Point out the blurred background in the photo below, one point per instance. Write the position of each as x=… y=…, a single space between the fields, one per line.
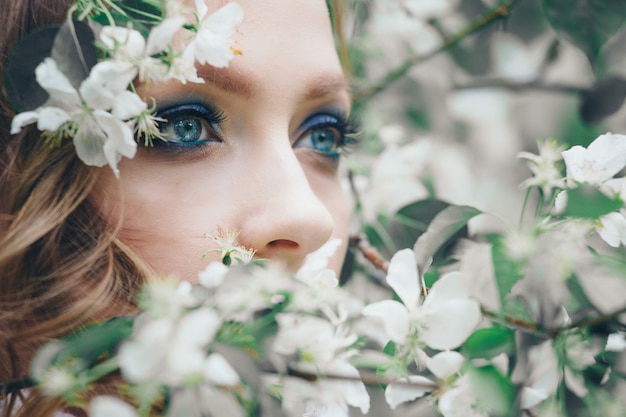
x=449 y=91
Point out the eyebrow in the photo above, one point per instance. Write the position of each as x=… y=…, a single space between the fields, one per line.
x=233 y=82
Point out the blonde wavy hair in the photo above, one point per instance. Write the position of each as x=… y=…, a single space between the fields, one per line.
x=61 y=265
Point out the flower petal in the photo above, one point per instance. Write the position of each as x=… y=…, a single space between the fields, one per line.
x=213 y=275
x=106 y=80
x=130 y=40
x=127 y=105
x=613 y=230
x=394 y=316
x=119 y=139
x=403 y=277
x=23 y=119
x=51 y=79
x=450 y=323
x=532 y=397
x=602 y=159
x=224 y=20
x=398 y=393
x=89 y=143
x=211 y=49
x=445 y=364
x=450 y=285
x=161 y=35
x=219 y=371
x=51 y=118
x=575 y=382
x=354 y=392
x=107 y=406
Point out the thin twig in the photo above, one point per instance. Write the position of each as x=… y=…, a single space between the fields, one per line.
x=534 y=85
x=500 y=11
x=366 y=378
x=369 y=252
x=586 y=322
x=513 y=322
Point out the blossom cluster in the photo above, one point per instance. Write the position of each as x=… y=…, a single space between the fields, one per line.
x=503 y=325
x=102 y=113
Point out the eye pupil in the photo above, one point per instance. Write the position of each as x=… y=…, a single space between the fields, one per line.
x=187 y=130
x=323 y=140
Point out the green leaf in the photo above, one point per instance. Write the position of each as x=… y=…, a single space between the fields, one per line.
x=506 y=271
x=588 y=202
x=603 y=99
x=445 y=224
x=390 y=349
x=588 y=24
x=21 y=85
x=494 y=391
x=93 y=341
x=74 y=51
x=411 y=221
x=489 y=342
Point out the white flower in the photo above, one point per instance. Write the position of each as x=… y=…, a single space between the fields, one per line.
x=128 y=45
x=229 y=249
x=326 y=397
x=546 y=371
x=597 y=163
x=443 y=321
x=211 y=43
x=322 y=348
x=99 y=136
x=107 y=406
x=171 y=351
x=167 y=297
x=443 y=366
x=314 y=339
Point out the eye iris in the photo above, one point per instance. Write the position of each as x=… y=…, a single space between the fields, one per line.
x=323 y=140
x=187 y=130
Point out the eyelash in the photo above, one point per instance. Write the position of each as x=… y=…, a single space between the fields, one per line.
x=345 y=127
x=211 y=120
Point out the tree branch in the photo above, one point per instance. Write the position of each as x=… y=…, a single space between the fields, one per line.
x=370 y=253
x=500 y=11
x=366 y=378
x=523 y=86
x=586 y=322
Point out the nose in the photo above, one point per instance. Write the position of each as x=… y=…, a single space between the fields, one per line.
x=283 y=219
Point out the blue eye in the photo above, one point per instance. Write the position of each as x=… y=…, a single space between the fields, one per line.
x=326 y=133
x=189 y=125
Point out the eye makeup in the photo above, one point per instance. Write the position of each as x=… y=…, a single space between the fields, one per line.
x=329 y=133
x=188 y=127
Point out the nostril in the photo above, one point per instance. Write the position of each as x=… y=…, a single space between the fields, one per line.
x=283 y=244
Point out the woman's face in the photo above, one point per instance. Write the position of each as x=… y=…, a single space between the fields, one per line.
x=254 y=150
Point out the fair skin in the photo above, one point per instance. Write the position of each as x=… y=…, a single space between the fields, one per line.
x=267 y=167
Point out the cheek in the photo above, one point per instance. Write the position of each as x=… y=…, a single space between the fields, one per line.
x=166 y=223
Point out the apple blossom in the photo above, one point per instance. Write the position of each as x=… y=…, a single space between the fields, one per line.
x=100 y=138
x=443 y=320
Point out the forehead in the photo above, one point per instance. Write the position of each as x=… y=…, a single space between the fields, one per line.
x=288 y=41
